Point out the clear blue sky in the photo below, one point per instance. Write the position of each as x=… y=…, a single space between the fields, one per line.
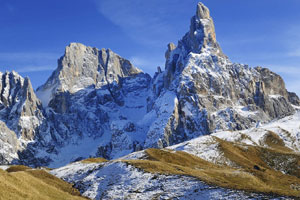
x=34 y=33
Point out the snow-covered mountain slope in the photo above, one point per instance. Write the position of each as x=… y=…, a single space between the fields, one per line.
x=9 y=143
x=261 y=159
x=94 y=103
x=279 y=136
x=118 y=180
x=20 y=109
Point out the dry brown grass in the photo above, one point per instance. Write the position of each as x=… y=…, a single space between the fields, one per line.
x=94 y=160
x=17 y=168
x=252 y=156
x=246 y=156
x=54 y=181
x=262 y=179
x=274 y=141
x=35 y=185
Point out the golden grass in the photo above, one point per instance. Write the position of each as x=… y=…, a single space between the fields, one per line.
x=17 y=168
x=247 y=177
x=35 y=185
x=275 y=142
x=246 y=156
x=54 y=181
x=251 y=156
x=94 y=160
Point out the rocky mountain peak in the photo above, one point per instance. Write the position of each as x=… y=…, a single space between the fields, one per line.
x=200 y=39
x=16 y=89
x=201 y=36
x=202 y=11
x=212 y=92
x=19 y=106
x=82 y=67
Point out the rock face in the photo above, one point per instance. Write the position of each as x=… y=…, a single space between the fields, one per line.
x=9 y=144
x=20 y=115
x=94 y=100
x=97 y=103
x=202 y=33
x=83 y=67
x=20 y=108
x=294 y=99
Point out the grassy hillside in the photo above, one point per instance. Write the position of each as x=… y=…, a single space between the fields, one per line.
x=255 y=167
x=20 y=182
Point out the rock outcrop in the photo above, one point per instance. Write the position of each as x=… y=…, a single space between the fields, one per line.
x=294 y=99
x=202 y=34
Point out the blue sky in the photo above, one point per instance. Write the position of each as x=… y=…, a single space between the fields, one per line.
x=34 y=33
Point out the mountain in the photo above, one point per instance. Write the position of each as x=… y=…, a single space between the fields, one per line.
x=97 y=103
x=93 y=100
x=211 y=92
x=82 y=67
x=202 y=125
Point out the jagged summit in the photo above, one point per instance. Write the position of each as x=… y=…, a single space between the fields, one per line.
x=201 y=36
x=83 y=66
x=202 y=11
x=20 y=115
x=200 y=39
x=18 y=101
